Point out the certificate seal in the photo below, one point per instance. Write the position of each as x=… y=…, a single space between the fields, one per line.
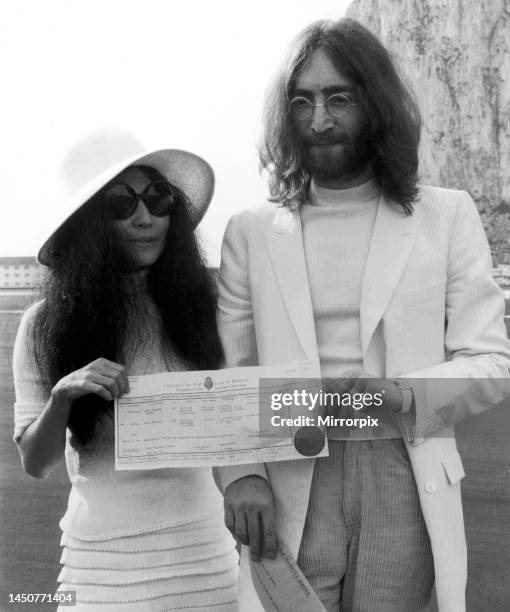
x=309 y=441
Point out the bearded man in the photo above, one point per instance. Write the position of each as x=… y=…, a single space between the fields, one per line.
x=357 y=265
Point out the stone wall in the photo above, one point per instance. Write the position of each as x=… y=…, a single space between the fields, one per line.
x=456 y=54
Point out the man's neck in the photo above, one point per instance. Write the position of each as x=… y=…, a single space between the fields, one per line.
x=345 y=182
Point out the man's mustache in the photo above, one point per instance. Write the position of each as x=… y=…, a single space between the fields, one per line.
x=326 y=140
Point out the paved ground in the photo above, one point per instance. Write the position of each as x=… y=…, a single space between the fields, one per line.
x=30 y=509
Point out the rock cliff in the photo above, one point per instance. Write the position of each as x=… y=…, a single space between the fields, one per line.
x=456 y=55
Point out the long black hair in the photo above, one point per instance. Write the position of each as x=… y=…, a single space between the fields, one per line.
x=388 y=105
x=88 y=303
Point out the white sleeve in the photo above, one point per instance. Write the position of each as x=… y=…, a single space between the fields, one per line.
x=236 y=326
x=235 y=313
x=476 y=375
x=30 y=395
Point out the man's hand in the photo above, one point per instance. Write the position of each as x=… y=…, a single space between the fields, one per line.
x=249 y=515
x=368 y=383
x=362 y=382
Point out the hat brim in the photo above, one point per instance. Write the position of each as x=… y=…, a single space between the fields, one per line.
x=187 y=171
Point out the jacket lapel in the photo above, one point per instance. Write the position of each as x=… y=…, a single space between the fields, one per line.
x=392 y=240
x=285 y=244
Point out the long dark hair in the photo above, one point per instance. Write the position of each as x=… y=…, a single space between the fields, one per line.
x=87 y=302
x=388 y=105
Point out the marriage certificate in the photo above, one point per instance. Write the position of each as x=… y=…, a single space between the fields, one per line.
x=201 y=418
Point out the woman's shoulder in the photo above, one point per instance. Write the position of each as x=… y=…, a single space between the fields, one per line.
x=27 y=319
x=31 y=312
x=33 y=309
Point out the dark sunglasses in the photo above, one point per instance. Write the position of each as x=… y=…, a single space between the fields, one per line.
x=121 y=199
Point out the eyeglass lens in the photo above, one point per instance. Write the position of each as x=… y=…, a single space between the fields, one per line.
x=121 y=199
x=337 y=105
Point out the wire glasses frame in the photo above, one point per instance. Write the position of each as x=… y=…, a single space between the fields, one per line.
x=337 y=105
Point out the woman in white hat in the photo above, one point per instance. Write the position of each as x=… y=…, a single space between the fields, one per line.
x=127 y=293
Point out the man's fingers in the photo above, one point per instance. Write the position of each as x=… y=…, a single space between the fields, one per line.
x=349 y=384
x=269 y=537
x=249 y=509
x=337 y=388
x=241 y=530
x=254 y=535
x=230 y=521
x=333 y=408
x=267 y=529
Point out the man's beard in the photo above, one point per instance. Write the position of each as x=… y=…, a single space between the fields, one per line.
x=346 y=161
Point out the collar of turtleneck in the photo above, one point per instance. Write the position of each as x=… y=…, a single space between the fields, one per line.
x=320 y=196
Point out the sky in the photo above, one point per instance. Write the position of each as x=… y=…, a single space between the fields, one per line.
x=187 y=74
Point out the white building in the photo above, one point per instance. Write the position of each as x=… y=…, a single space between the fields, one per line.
x=26 y=273
x=20 y=273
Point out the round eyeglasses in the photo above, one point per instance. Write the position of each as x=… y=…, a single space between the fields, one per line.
x=337 y=105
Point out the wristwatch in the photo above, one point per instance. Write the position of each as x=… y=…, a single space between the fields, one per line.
x=407 y=394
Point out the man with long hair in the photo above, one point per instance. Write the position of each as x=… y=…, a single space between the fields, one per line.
x=355 y=264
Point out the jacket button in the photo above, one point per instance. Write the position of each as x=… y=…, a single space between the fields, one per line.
x=431 y=487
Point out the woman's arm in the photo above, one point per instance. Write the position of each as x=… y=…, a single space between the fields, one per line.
x=40 y=432
x=43 y=442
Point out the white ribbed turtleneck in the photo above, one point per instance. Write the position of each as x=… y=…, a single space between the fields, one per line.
x=337 y=227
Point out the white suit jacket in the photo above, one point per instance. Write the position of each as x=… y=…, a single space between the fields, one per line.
x=429 y=309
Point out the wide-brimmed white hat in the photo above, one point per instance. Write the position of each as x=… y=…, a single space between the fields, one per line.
x=104 y=153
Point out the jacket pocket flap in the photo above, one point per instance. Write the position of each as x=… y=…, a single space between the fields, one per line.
x=453 y=468
x=421 y=295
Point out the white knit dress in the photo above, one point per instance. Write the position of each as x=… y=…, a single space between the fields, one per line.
x=140 y=540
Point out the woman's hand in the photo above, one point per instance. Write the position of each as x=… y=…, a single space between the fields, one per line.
x=102 y=377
